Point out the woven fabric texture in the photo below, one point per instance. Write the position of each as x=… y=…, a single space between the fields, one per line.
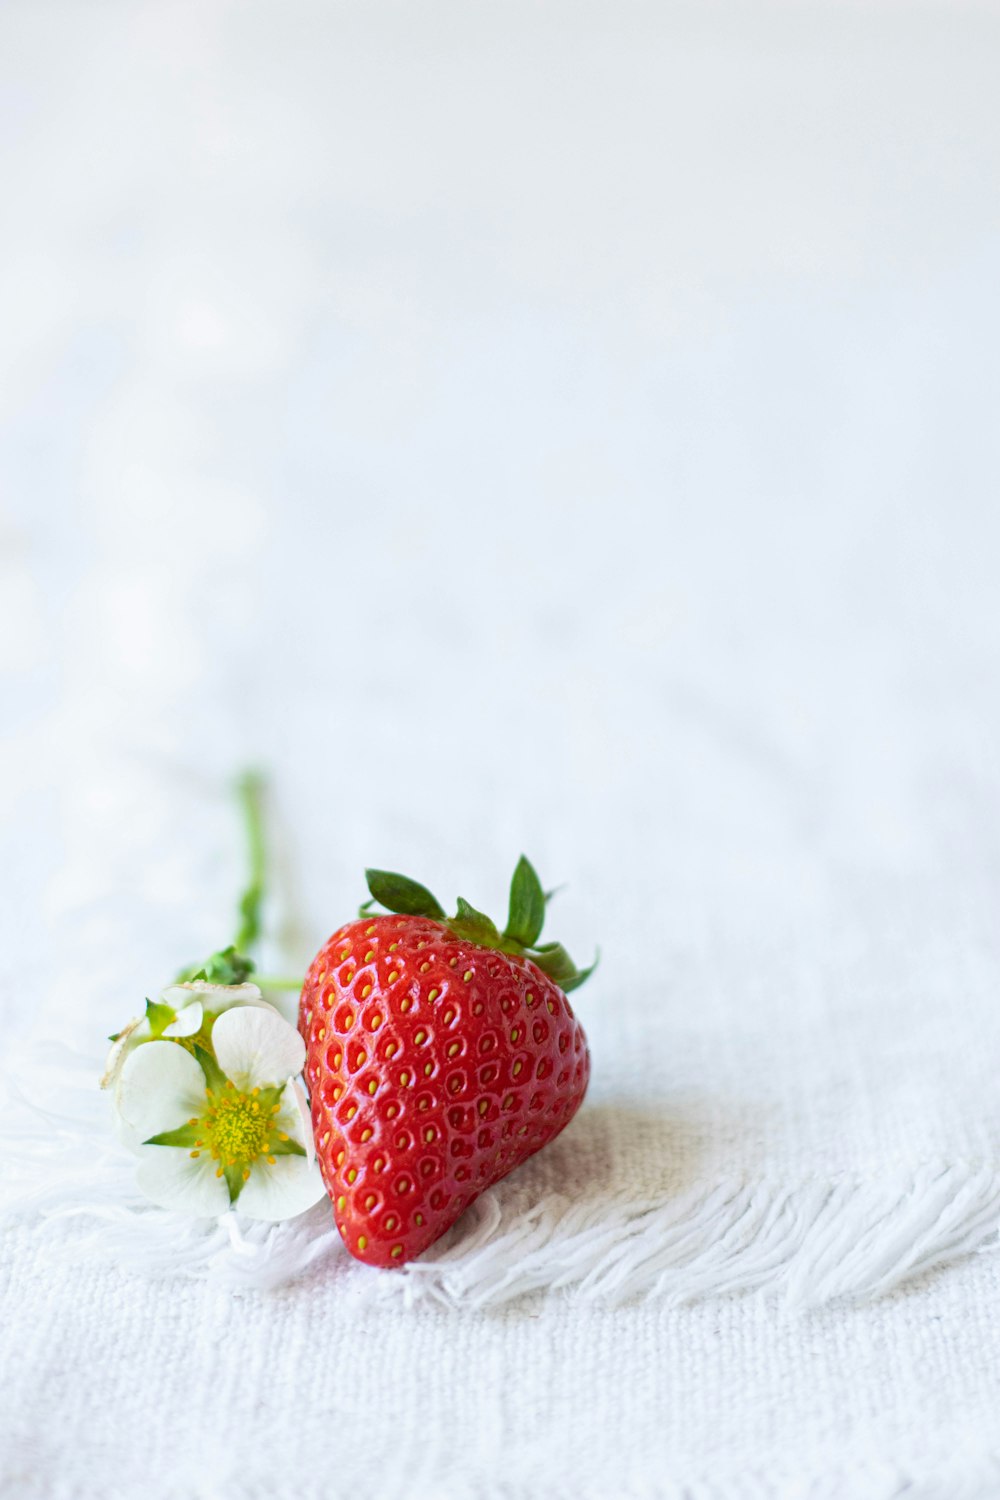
x=559 y=428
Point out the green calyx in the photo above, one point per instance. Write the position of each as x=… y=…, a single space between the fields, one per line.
x=525 y=919
x=227 y=966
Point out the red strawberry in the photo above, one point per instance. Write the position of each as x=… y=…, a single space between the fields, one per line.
x=441 y=1053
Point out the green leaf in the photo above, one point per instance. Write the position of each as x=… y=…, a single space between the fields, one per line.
x=159 y=1017
x=234 y=1179
x=400 y=894
x=527 y=905
x=184 y=1135
x=227 y=966
x=214 y=1076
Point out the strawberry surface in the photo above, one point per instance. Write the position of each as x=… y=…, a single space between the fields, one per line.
x=435 y=1065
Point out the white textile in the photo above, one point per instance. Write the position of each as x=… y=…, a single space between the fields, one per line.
x=560 y=428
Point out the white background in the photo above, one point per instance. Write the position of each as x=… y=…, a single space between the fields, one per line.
x=559 y=427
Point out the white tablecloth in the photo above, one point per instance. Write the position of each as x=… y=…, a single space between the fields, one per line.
x=516 y=427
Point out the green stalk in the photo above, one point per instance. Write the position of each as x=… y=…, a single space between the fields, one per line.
x=250 y=792
x=233 y=965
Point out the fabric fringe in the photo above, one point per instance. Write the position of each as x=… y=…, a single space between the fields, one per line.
x=808 y=1243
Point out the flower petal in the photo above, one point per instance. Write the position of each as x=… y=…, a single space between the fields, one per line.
x=189 y=1020
x=160 y=1087
x=214 y=997
x=175 y=1179
x=126 y=1039
x=294 y=1118
x=256 y=1047
x=281 y=1191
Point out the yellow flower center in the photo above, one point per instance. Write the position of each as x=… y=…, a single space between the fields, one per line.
x=237 y=1128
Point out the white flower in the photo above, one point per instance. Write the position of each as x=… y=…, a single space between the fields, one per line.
x=181 y=1011
x=223 y=1131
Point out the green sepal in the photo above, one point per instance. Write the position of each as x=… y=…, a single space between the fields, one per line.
x=114 y=1037
x=234 y=1179
x=159 y=1017
x=214 y=1076
x=474 y=925
x=554 y=961
x=269 y=1097
x=574 y=981
x=184 y=1135
x=286 y=1148
x=400 y=894
x=527 y=905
